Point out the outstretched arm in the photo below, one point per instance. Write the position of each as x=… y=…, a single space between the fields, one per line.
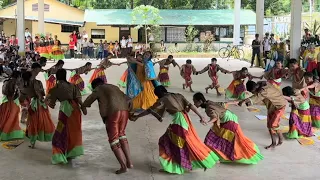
x=147 y=112
x=195 y=110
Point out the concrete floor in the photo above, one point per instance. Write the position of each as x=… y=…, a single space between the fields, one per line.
x=289 y=161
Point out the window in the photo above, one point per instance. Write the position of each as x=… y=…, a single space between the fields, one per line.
x=69 y=28
x=98 y=34
x=176 y=34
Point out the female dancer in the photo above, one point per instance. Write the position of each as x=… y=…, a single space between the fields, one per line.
x=237 y=88
x=49 y=75
x=141 y=81
x=274 y=75
x=186 y=71
x=39 y=124
x=300 y=122
x=76 y=79
x=10 y=108
x=99 y=70
x=311 y=61
x=314 y=101
x=180 y=148
x=226 y=138
x=67 y=139
x=57 y=53
x=164 y=70
x=43 y=48
x=213 y=69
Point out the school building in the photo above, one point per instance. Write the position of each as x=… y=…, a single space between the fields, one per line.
x=111 y=24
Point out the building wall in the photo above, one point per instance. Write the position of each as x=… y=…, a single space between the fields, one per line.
x=57 y=11
x=9 y=26
x=111 y=33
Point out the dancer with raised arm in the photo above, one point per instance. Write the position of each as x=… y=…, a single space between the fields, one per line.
x=213 y=69
x=164 y=70
x=114 y=107
x=67 y=139
x=39 y=123
x=226 y=138
x=180 y=148
x=275 y=103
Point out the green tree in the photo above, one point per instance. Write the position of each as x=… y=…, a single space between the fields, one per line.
x=146 y=16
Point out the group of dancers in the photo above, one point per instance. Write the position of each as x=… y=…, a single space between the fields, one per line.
x=180 y=148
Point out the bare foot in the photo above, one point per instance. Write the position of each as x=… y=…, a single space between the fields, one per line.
x=191 y=90
x=271 y=146
x=183 y=86
x=129 y=166
x=207 y=90
x=219 y=94
x=32 y=146
x=120 y=171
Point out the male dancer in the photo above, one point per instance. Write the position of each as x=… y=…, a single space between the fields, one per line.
x=114 y=110
x=275 y=103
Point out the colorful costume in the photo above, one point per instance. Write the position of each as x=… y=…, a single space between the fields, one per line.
x=226 y=138
x=39 y=124
x=314 y=102
x=300 y=123
x=180 y=148
x=50 y=78
x=212 y=72
x=163 y=76
x=298 y=81
x=274 y=76
x=43 y=49
x=99 y=72
x=67 y=139
x=76 y=79
x=114 y=111
x=57 y=53
x=274 y=102
x=9 y=110
x=123 y=80
x=237 y=89
x=186 y=72
x=140 y=85
x=311 y=59
x=50 y=45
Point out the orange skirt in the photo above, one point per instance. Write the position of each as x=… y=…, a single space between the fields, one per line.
x=9 y=121
x=40 y=126
x=273 y=119
x=50 y=83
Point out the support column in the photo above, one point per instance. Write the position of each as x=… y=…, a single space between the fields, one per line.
x=236 y=26
x=41 y=16
x=260 y=18
x=20 y=26
x=295 y=29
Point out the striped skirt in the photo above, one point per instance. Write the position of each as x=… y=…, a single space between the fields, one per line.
x=300 y=123
x=236 y=90
x=164 y=76
x=180 y=148
x=314 y=102
x=230 y=144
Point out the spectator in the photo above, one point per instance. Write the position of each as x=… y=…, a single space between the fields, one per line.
x=256 y=50
x=74 y=37
x=85 y=45
x=123 y=43
x=72 y=46
x=13 y=41
x=273 y=41
x=84 y=35
x=130 y=43
x=266 y=46
x=91 y=48
x=162 y=46
x=105 y=49
x=101 y=50
x=27 y=33
x=111 y=48
x=116 y=49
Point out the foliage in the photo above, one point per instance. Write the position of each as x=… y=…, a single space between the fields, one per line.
x=190 y=33
x=314 y=27
x=208 y=42
x=147 y=17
